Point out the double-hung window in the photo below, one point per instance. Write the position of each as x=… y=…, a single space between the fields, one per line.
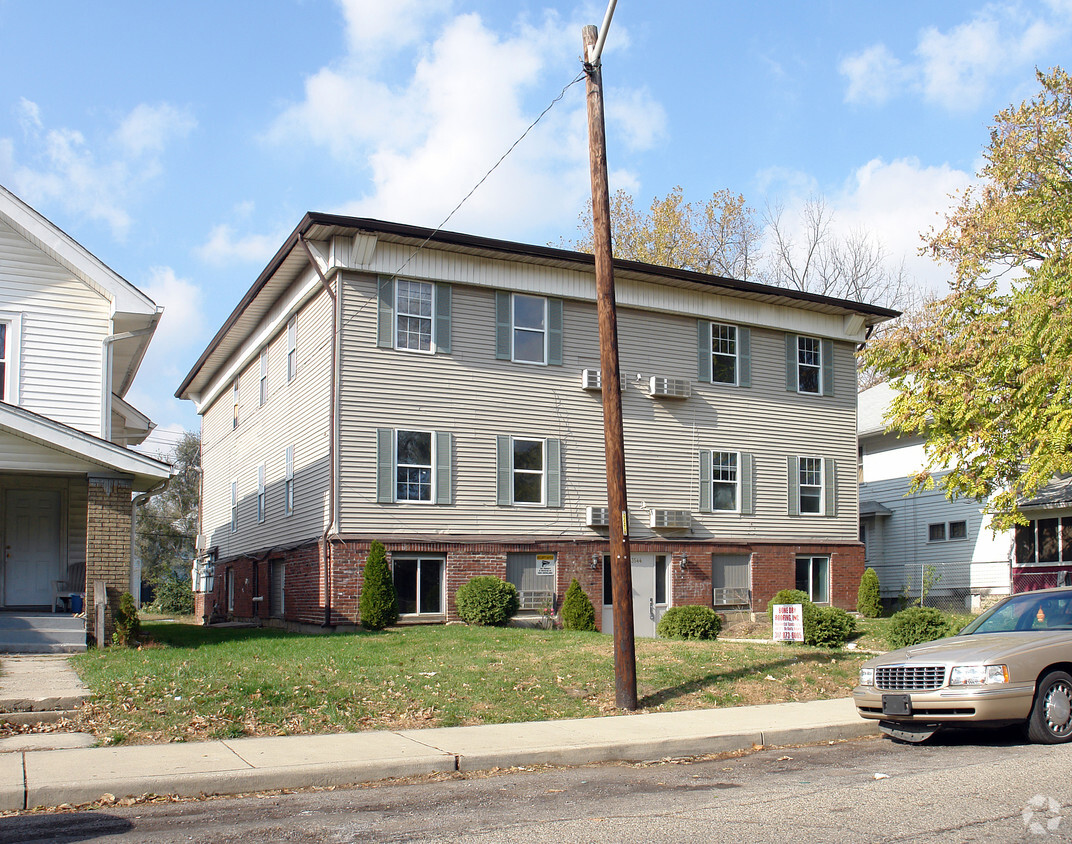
x=414 y=315
x=809 y=365
x=4 y=360
x=724 y=353
x=288 y=487
x=812 y=486
x=529 y=471
x=292 y=348
x=727 y=482
x=10 y=341
x=264 y=377
x=413 y=466
x=234 y=506
x=528 y=329
x=261 y=494
x=234 y=401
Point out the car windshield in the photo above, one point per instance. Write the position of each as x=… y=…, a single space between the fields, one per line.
x=1027 y=611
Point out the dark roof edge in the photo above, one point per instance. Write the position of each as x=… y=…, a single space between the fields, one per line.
x=510 y=247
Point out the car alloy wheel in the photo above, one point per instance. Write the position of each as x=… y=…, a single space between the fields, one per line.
x=1051 y=716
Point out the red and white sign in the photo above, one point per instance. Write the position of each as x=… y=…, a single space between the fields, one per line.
x=788 y=623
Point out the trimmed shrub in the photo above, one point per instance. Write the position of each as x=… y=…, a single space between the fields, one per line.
x=127 y=624
x=788 y=596
x=379 y=601
x=487 y=601
x=174 y=595
x=577 y=610
x=868 y=600
x=689 y=622
x=916 y=625
x=830 y=627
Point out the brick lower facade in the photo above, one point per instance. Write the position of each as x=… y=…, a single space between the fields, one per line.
x=323 y=589
x=108 y=532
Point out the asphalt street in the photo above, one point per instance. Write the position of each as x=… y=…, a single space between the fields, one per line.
x=964 y=787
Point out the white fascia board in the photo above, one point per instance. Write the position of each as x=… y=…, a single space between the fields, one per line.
x=65 y=250
x=300 y=294
x=54 y=435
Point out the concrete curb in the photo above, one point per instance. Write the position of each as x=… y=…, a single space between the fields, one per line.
x=53 y=777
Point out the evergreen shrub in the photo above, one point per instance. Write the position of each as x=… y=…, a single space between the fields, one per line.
x=577 y=610
x=916 y=625
x=379 y=601
x=486 y=600
x=127 y=624
x=689 y=622
x=868 y=600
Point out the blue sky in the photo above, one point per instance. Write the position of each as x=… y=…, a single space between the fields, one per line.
x=181 y=142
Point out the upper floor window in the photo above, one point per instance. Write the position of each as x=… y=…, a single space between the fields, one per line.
x=413 y=466
x=10 y=342
x=3 y=362
x=724 y=353
x=528 y=471
x=809 y=365
x=528 y=329
x=264 y=377
x=234 y=400
x=941 y=531
x=292 y=347
x=261 y=494
x=234 y=506
x=812 y=486
x=727 y=482
x=414 y=315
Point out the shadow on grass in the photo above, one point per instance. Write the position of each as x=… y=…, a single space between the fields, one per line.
x=700 y=683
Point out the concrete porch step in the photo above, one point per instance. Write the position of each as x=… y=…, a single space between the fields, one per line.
x=43 y=633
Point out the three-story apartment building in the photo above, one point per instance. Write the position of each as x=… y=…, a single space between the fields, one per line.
x=441 y=393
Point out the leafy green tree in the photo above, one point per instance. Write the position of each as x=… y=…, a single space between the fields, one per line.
x=166 y=526
x=984 y=373
x=379 y=600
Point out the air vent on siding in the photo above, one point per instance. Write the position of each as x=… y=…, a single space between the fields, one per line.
x=597 y=516
x=669 y=388
x=671 y=519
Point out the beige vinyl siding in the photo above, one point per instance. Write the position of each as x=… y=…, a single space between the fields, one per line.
x=475 y=397
x=296 y=414
x=64 y=323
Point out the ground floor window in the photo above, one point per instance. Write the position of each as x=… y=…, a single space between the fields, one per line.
x=1044 y=541
x=813 y=577
x=419 y=584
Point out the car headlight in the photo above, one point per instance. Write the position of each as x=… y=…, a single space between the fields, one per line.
x=978 y=675
x=867 y=676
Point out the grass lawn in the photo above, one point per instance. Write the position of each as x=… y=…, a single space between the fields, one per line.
x=191 y=683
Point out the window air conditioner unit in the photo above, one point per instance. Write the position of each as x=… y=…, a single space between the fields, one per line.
x=201 y=543
x=669 y=388
x=671 y=519
x=597 y=516
x=591 y=379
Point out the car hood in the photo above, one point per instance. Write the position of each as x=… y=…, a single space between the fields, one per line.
x=975 y=648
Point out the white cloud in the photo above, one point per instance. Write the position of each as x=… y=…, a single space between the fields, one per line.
x=955 y=68
x=428 y=124
x=224 y=247
x=61 y=167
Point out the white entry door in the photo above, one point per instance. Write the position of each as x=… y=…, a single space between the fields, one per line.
x=651 y=581
x=32 y=546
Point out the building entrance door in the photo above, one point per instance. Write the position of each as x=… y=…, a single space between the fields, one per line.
x=31 y=546
x=650 y=573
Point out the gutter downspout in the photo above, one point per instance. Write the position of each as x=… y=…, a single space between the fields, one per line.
x=324 y=540
x=106 y=379
x=140 y=501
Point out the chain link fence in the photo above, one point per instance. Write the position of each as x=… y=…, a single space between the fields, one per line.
x=957 y=587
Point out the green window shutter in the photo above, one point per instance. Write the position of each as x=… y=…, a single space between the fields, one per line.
x=554 y=473
x=794 y=486
x=748 y=484
x=830 y=486
x=827 y=347
x=554 y=332
x=442 y=318
x=705 y=481
x=385 y=466
x=791 y=362
x=385 y=329
x=503 y=325
x=504 y=487
x=444 y=459
x=703 y=350
x=744 y=357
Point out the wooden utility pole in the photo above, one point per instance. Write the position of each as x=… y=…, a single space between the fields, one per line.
x=625 y=690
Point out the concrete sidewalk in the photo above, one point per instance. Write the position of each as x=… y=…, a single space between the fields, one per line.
x=52 y=777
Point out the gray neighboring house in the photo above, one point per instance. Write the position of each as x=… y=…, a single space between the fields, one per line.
x=440 y=392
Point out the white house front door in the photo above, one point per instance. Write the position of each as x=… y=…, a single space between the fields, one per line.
x=651 y=580
x=31 y=546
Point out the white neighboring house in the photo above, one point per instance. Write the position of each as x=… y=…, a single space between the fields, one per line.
x=72 y=336
x=905 y=533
